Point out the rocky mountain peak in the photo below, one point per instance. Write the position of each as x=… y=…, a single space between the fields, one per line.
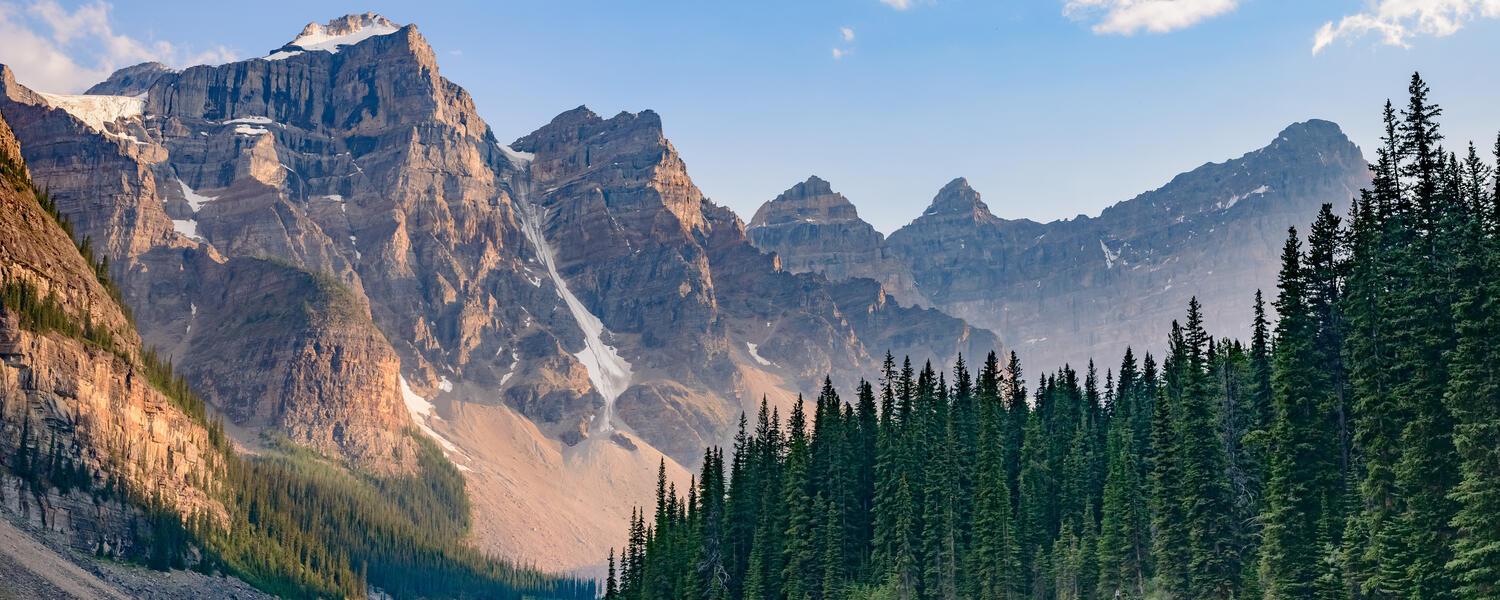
x=1313 y=130
x=812 y=201
x=813 y=186
x=1315 y=139
x=347 y=26
x=338 y=33
x=130 y=81
x=581 y=151
x=957 y=198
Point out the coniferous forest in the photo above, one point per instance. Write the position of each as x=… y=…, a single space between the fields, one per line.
x=1349 y=450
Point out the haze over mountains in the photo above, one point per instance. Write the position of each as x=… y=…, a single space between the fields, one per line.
x=333 y=246
x=1067 y=291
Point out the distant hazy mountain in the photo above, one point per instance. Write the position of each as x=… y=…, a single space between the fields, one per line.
x=1070 y=290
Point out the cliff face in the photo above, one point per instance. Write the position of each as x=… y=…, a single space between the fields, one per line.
x=688 y=299
x=334 y=246
x=1068 y=291
x=81 y=407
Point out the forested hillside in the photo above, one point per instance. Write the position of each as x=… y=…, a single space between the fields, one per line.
x=1349 y=449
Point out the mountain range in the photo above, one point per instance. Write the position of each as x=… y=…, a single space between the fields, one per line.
x=334 y=248
x=1071 y=290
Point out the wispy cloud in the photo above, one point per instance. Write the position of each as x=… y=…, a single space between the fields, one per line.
x=57 y=50
x=897 y=4
x=839 y=53
x=1397 y=21
x=847 y=34
x=1125 y=17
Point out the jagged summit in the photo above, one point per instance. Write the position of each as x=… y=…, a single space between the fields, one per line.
x=957 y=197
x=342 y=31
x=1313 y=130
x=811 y=201
x=130 y=81
x=813 y=186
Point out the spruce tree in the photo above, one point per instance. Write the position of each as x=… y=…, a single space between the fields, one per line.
x=1290 y=553
x=1214 y=567
x=993 y=563
x=1426 y=470
x=1170 y=549
x=1378 y=230
x=1473 y=397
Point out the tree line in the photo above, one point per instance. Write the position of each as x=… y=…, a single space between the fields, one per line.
x=1349 y=450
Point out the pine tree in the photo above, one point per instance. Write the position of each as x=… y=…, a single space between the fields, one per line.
x=1473 y=397
x=1290 y=553
x=1170 y=549
x=1123 y=538
x=1378 y=230
x=800 y=574
x=1031 y=517
x=1426 y=470
x=1214 y=567
x=940 y=512
x=885 y=513
x=993 y=563
x=611 y=588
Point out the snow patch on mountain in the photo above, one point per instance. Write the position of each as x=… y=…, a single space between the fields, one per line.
x=516 y=157
x=194 y=199
x=1225 y=205
x=95 y=111
x=608 y=371
x=1109 y=257
x=755 y=354
x=343 y=31
x=186 y=227
x=422 y=413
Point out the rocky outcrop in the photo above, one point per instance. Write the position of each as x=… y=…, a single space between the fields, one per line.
x=130 y=81
x=814 y=229
x=308 y=361
x=85 y=410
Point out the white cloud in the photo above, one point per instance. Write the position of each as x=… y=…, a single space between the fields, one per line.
x=1397 y=21
x=847 y=33
x=1126 y=17
x=55 y=50
x=838 y=54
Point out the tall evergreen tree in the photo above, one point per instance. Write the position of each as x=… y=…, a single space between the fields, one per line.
x=1170 y=549
x=994 y=564
x=1426 y=470
x=1214 y=561
x=1299 y=454
x=1474 y=400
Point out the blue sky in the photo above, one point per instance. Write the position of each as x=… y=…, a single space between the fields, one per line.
x=1051 y=108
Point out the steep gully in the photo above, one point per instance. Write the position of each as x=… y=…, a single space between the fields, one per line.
x=608 y=371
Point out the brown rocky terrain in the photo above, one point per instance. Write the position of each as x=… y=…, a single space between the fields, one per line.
x=87 y=404
x=327 y=234
x=1083 y=288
